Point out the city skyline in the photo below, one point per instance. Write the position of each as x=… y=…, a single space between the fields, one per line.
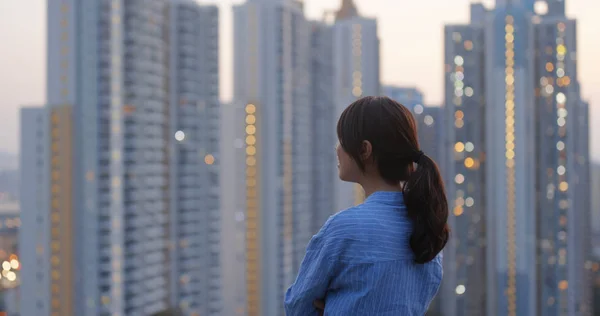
x=143 y=191
x=400 y=66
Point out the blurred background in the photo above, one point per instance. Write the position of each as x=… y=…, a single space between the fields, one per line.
x=174 y=157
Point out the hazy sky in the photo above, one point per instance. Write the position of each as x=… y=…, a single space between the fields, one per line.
x=411 y=52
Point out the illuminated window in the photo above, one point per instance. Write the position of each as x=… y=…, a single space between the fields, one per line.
x=209 y=159
x=563 y=285
x=469 y=162
x=469 y=147
x=459 y=61
x=469 y=91
x=428 y=120
x=459 y=114
x=179 y=136
x=418 y=109
x=459 y=147
x=563 y=186
x=468 y=45
x=459 y=178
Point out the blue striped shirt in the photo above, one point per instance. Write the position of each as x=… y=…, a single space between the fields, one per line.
x=361 y=263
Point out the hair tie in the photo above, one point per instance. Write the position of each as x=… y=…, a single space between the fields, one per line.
x=417 y=157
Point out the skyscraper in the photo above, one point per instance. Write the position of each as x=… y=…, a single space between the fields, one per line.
x=510 y=180
x=562 y=161
x=324 y=169
x=513 y=72
x=194 y=112
x=464 y=285
x=34 y=244
x=116 y=149
x=272 y=65
x=356 y=74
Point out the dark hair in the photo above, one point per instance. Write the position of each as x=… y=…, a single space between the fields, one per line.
x=392 y=132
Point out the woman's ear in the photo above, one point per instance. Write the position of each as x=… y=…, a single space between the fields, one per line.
x=366 y=150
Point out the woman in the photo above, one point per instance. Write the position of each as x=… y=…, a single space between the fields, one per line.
x=382 y=257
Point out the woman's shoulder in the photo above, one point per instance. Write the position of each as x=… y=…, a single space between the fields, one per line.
x=359 y=220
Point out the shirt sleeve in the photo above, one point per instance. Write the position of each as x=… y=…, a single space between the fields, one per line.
x=316 y=271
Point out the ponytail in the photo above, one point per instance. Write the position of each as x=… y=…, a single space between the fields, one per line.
x=425 y=200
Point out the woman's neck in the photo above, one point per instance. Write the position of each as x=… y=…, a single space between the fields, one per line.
x=371 y=186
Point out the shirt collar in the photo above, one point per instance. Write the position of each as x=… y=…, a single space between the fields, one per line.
x=386 y=197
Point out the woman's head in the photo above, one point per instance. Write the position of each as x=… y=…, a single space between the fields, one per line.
x=378 y=138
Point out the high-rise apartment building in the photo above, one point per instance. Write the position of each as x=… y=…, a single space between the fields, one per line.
x=272 y=66
x=520 y=143
x=194 y=114
x=509 y=157
x=356 y=74
x=130 y=160
x=464 y=287
x=34 y=244
x=233 y=226
x=562 y=155
x=324 y=119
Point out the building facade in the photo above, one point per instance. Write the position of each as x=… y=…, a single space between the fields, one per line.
x=324 y=116
x=563 y=168
x=33 y=247
x=463 y=290
x=115 y=155
x=194 y=114
x=272 y=66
